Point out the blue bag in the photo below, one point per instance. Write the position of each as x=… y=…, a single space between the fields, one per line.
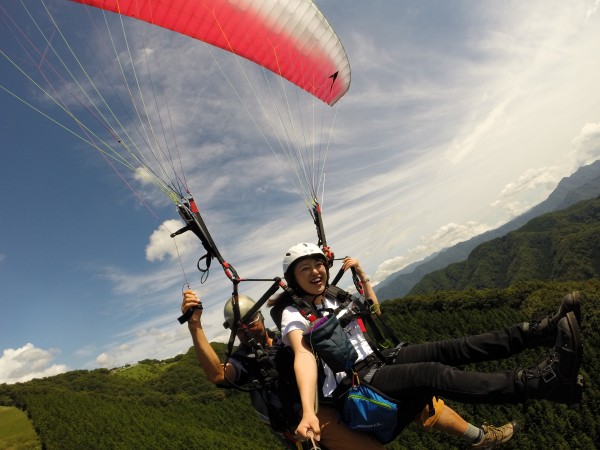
x=365 y=409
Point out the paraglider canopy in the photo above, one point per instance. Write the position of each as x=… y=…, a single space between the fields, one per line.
x=292 y=38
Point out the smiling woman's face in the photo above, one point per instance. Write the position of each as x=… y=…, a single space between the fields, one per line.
x=311 y=275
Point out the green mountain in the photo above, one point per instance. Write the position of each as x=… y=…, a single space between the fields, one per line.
x=563 y=245
x=170 y=405
x=584 y=184
x=151 y=405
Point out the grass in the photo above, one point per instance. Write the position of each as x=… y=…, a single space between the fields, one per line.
x=16 y=431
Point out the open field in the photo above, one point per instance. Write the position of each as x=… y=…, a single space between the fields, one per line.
x=16 y=431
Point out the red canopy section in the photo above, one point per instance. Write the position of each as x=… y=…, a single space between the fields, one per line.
x=290 y=38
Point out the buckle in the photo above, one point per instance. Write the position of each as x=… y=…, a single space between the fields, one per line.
x=548 y=374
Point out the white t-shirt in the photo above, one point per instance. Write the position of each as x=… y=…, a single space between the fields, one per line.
x=291 y=320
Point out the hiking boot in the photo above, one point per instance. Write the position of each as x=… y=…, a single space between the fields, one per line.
x=556 y=377
x=494 y=436
x=542 y=332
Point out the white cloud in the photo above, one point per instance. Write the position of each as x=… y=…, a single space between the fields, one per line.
x=530 y=188
x=105 y=360
x=28 y=362
x=532 y=178
x=160 y=338
x=593 y=9
x=586 y=145
x=446 y=236
x=161 y=244
x=453 y=233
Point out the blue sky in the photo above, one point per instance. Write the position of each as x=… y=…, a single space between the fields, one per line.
x=460 y=116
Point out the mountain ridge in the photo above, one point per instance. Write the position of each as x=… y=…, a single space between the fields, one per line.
x=561 y=245
x=583 y=184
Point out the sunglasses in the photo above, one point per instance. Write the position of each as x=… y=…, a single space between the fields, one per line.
x=254 y=323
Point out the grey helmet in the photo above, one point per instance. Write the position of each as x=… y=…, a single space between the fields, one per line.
x=246 y=304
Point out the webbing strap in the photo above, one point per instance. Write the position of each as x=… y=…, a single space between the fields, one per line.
x=364 y=311
x=371 y=373
x=308 y=311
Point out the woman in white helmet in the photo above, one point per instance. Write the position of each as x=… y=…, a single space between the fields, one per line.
x=243 y=369
x=420 y=371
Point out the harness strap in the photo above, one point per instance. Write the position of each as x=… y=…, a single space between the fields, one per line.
x=308 y=311
x=371 y=373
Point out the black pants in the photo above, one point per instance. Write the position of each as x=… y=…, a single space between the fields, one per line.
x=420 y=371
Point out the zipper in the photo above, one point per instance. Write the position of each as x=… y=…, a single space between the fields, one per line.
x=370 y=400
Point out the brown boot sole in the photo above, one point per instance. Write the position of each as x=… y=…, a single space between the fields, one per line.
x=572 y=302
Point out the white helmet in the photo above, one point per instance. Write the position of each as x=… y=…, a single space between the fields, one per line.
x=246 y=304
x=300 y=251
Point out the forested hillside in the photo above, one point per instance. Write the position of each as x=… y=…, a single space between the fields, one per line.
x=564 y=245
x=169 y=404
x=584 y=184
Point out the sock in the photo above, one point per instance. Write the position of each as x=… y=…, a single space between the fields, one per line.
x=473 y=434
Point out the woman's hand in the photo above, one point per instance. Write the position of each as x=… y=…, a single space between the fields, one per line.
x=309 y=427
x=369 y=293
x=349 y=263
